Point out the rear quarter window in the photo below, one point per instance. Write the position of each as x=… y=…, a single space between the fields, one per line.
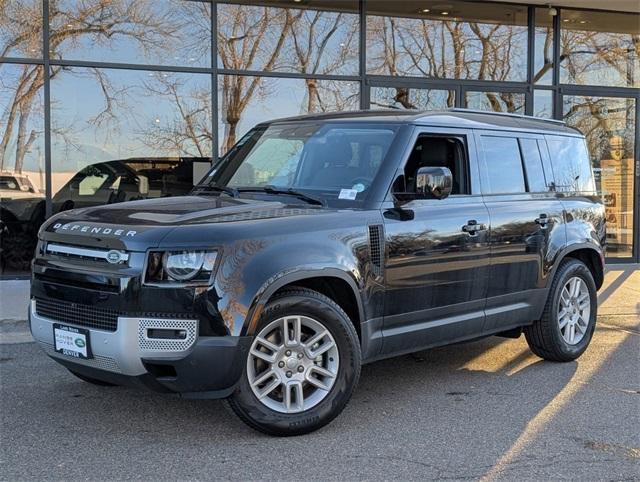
x=571 y=165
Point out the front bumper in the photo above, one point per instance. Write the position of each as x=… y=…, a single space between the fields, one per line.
x=196 y=366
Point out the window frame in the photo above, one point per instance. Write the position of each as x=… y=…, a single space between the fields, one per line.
x=466 y=184
x=470 y=152
x=547 y=171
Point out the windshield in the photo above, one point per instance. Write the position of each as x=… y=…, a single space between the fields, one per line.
x=327 y=161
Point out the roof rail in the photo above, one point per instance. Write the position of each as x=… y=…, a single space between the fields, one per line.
x=507 y=114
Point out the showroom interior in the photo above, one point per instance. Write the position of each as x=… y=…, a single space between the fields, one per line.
x=104 y=101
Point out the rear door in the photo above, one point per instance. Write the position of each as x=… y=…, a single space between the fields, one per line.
x=526 y=227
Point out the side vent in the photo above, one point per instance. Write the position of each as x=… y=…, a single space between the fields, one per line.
x=376 y=248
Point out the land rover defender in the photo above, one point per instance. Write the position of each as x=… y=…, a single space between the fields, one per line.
x=323 y=242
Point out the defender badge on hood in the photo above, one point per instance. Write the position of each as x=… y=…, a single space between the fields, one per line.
x=85 y=228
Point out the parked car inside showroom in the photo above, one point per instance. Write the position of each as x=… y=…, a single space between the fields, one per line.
x=23 y=208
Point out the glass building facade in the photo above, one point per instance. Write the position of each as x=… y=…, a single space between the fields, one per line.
x=103 y=101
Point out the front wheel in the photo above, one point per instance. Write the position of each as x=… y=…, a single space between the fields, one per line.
x=569 y=318
x=302 y=367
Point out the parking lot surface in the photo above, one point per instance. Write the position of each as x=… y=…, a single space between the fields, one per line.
x=486 y=410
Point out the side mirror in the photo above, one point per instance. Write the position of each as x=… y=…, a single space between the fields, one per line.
x=433 y=182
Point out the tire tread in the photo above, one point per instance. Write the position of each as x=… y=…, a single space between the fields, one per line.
x=539 y=335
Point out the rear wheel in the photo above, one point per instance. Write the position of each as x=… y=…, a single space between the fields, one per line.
x=569 y=318
x=93 y=381
x=302 y=368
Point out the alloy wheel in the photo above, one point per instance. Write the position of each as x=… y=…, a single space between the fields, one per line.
x=574 y=310
x=292 y=364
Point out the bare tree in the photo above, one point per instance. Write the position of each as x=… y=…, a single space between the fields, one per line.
x=191 y=128
x=312 y=34
x=93 y=21
x=249 y=38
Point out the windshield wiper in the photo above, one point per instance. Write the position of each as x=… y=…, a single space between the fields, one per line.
x=206 y=188
x=288 y=192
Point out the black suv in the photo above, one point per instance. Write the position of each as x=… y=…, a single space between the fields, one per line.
x=320 y=243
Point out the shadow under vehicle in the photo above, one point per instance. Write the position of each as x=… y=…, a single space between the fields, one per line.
x=323 y=242
x=102 y=183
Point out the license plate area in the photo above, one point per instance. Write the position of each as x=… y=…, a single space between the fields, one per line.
x=72 y=341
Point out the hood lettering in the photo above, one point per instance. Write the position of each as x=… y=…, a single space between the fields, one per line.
x=84 y=228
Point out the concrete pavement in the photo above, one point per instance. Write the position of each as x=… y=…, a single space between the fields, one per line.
x=487 y=410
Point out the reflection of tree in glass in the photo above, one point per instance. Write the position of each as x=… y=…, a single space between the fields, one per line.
x=191 y=128
x=312 y=34
x=15 y=121
x=454 y=49
x=95 y=22
x=411 y=98
x=599 y=119
x=249 y=38
x=599 y=58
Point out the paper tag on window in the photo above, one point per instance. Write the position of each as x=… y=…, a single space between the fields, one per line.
x=348 y=194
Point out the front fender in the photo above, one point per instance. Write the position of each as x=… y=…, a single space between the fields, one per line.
x=251 y=271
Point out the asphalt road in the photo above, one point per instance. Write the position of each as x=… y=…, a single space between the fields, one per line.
x=483 y=410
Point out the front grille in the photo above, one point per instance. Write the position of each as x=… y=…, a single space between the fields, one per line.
x=78 y=314
x=82 y=253
x=101 y=362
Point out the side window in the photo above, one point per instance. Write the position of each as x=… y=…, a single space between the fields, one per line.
x=90 y=184
x=570 y=163
x=435 y=151
x=503 y=165
x=536 y=180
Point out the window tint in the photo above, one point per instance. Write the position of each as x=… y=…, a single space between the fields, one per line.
x=431 y=151
x=503 y=165
x=570 y=163
x=317 y=156
x=533 y=165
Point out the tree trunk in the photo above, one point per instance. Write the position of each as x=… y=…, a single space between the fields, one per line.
x=312 y=92
x=21 y=141
x=230 y=132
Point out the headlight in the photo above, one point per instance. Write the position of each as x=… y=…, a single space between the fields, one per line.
x=183 y=266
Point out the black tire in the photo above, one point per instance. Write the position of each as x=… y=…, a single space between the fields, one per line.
x=93 y=381
x=544 y=336
x=305 y=302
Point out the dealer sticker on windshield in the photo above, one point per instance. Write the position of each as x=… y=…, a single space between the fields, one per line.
x=348 y=194
x=71 y=341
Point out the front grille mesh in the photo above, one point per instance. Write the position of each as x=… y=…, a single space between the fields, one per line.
x=155 y=344
x=78 y=314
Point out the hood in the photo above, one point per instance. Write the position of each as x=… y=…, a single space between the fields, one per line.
x=139 y=225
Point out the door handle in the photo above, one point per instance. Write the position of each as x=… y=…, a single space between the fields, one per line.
x=472 y=227
x=543 y=220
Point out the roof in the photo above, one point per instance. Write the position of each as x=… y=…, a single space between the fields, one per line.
x=465 y=118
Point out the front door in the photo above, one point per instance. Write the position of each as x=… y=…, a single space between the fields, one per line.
x=437 y=261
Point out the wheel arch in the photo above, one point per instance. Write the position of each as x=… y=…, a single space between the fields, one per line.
x=334 y=283
x=592 y=257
